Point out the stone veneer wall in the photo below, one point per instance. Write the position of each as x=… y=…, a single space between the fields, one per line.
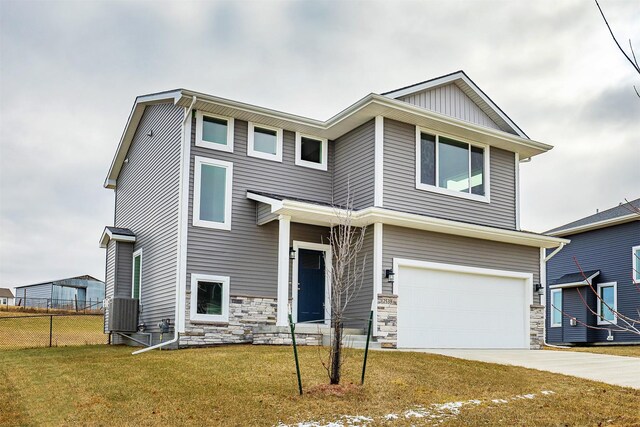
x=387 y=334
x=282 y=336
x=536 y=328
x=245 y=313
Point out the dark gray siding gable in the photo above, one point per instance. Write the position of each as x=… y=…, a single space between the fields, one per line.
x=354 y=165
x=400 y=191
x=147 y=203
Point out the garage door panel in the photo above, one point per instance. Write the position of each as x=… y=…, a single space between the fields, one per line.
x=448 y=309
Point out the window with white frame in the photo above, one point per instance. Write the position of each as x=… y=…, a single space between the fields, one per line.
x=209 y=298
x=607 y=303
x=215 y=132
x=264 y=142
x=635 y=262
x=556 y=308
x=446 y=165
x=136 y=274
x=212 y=193
x=311 y=152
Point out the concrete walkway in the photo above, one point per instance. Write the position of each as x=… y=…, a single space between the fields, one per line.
x=616 y=370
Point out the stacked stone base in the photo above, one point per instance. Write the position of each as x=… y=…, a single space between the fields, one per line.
x=275 y=336
x=387 y=334
x=536 y=327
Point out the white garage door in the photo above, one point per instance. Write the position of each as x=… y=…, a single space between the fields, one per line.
x=442 y=306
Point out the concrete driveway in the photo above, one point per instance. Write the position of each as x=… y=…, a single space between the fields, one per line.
x=616 y=370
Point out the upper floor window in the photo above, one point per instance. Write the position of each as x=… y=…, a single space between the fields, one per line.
x=445 y=165
x=635 y=263
x=264 y=142
x=215 y=132
x=212 y=193
x=136 y=279
x=311 y=152
x=607 y=303
x=556 y=308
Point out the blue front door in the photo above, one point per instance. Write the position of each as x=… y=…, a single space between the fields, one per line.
x=311 y=285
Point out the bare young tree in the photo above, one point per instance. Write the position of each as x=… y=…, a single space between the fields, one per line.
x=623 y=322
x=631 y=58
x=346 y=272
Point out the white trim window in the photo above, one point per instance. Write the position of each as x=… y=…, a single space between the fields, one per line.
x=311 y=151
x=214 y=132
x=635 y=263
x=209 y=298
x=136 y=275
x=608 y=293
x=264 y=142
x=212 y=193
x=556 y=308
x=450 y=166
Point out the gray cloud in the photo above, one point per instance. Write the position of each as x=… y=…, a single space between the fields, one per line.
x=70 y=71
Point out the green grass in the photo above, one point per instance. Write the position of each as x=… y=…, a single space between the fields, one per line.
x=614 y=350
x=29 y=330
x=254 y=385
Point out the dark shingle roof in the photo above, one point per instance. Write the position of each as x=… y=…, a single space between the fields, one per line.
x=619 y=211
x=574 y=277
x=120 y=231
x=6 y=293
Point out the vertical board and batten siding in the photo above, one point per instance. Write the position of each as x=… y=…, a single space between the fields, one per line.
x=451 y=101
x=109 y=278
x=147 y=203
x=36 y=291
x=608 y=250
x=354 y=164
x=400 y=192
x=400 y=242
x=248 y=253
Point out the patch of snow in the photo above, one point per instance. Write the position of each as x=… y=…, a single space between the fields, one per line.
x=500 y=401
x=547 y=392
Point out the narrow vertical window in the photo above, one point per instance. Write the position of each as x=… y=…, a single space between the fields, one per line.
x=556 y=307
x=137 y=274
x=212 y=193
x=607 y=304
x=428 y=159
x=635 y=262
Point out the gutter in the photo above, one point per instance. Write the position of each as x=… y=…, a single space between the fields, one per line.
x=181 y=235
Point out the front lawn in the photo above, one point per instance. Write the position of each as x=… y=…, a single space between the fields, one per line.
x=254 y=385
x=614 y=350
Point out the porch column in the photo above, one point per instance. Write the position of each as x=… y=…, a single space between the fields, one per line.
x=284 y=224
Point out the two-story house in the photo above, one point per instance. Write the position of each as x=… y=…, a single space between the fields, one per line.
x=593 y=293
x=221 y=206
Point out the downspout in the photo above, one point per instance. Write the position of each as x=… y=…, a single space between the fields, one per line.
x=184 y=140
x=544 y=262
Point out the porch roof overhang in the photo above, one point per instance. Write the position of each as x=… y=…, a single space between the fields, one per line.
x=323 y=214
x=118 y=234
x=574 y=280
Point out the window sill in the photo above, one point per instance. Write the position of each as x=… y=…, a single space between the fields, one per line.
x=215 y=146
x=265 y=156
x=311 y=165
x=209 y=322
x=212 y=225
x=555 y=326
x=607 y=322
x=444 y=191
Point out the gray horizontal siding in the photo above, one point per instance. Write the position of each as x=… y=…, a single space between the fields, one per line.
x=359 y=308
x=400 y=191
x=452 y=101
x=608 y=250
x=109 y=280
x=354 y=164
x=248 y=253
x=124 y=269
x=35 y=291
x=399 y=242
x=147 y=203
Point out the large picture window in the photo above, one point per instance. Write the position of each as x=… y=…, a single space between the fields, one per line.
x=449 y=166
x=607 y=303
x=209 y=298
x=215 y=132
x=212 y=193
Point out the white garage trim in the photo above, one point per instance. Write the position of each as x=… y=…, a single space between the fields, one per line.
x=398 y=263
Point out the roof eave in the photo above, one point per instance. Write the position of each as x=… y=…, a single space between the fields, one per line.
x=595 y=225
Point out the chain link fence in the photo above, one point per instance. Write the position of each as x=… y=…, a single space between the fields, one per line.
x=53 y=330
x=53 y=304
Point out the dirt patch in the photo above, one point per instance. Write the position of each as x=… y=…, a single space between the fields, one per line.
x=338 y=390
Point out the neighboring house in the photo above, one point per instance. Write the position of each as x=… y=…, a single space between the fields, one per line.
x=605 y=250
x=81 y=292
x=6 y=296
x=220 y=206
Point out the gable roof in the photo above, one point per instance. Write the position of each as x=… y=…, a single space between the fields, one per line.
x=6 y=293
x=625 y=212
x=473 y=91
x=351 y=117
x=575 y=279
x=118 y=234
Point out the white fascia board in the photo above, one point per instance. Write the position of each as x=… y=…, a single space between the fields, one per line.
x=130 y=128
x=108 y=235
x=327 y=216
x=596 y=225
x=576 y=284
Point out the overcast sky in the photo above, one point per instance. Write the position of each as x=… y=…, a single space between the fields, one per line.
x=69 y=72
